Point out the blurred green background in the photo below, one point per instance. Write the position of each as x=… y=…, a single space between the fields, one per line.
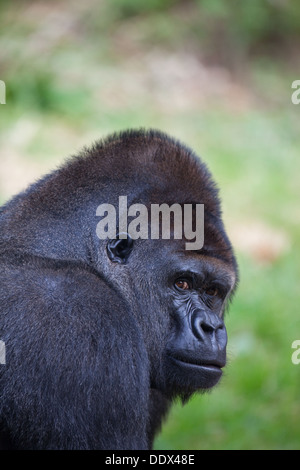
x=217 y=75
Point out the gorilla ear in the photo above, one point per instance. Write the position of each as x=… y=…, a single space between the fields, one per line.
x=118 y=250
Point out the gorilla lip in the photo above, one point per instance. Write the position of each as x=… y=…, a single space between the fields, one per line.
x=214 y=365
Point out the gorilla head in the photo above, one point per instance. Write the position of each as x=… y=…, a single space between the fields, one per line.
x=117 y=325
x=179 y=294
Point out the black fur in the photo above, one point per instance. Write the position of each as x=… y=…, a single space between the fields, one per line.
x=87 y=338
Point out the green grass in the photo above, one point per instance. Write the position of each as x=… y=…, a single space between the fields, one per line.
x=72 y=95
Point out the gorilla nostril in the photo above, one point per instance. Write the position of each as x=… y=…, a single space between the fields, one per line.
x=206 y=327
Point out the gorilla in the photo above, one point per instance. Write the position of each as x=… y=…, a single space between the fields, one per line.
x=102 y=334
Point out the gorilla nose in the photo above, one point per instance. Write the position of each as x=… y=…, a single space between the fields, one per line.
x=209 y=328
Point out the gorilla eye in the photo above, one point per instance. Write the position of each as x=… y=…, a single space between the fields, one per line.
x=212 y=291
x=182 y=284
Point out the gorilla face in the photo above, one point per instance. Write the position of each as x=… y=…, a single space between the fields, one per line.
x=196 y=350
x=189 y=291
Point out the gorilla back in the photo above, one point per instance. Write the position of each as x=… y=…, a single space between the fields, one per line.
x=101 y=333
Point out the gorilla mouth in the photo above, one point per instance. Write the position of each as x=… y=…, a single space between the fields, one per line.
x=194 y=362
x=194 y=373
